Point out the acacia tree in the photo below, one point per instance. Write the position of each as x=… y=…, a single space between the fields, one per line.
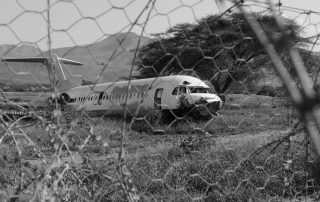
x=215 y=48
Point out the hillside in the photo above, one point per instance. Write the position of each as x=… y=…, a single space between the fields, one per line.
x=94 y=56
x=18 y=51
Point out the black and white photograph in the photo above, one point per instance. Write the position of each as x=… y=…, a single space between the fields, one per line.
x=159 y=100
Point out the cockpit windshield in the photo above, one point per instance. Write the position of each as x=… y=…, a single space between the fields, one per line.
x=199 y=89
x=179 y=90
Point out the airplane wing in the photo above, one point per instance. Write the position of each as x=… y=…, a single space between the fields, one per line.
x=32 y=59
x=43 y=60
x=69 y=62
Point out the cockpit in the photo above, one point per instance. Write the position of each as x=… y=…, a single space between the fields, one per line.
x=191 y=89
x=196 y=94
x=180 y=90
x=200 y=89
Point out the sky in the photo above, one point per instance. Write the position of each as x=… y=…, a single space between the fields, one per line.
x=80 y=22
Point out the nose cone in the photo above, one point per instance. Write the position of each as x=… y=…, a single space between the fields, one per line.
x=208 y=105
x=214 y=106
x=205 y=96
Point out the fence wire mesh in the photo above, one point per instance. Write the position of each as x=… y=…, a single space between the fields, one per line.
x=161 y=138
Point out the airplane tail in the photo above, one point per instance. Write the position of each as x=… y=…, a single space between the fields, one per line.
x=55 y=70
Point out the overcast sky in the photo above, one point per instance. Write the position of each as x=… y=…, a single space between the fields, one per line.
x=81 y=22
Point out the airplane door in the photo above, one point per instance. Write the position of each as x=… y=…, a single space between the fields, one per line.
x=157 y=98
x=97 y=98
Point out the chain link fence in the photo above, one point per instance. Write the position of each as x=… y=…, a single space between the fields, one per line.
x=260 y=57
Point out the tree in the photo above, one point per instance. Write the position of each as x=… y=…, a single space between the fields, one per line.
x=219 y=49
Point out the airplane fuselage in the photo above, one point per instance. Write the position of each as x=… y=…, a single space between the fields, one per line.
x=139 y=97
x=143 y=96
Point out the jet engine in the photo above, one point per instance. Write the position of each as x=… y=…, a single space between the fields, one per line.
x=62 y=99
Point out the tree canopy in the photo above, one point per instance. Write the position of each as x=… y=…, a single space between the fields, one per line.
x=221 y=49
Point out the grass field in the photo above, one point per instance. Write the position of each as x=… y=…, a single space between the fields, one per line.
x=242 y=154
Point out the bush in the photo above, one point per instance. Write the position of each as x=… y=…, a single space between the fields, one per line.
x=267 y=91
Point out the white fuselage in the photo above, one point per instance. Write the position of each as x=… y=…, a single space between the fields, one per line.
x=141 y=96
x=138 y=97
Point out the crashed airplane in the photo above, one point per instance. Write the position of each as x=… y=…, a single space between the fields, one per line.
x=177 y=94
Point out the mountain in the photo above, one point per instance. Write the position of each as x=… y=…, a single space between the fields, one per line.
x=116 y=53
x=18 y=73
x=18 y=51
x=116 y=50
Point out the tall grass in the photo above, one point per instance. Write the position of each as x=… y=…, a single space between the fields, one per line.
x=225 y=172
x=230 y=159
